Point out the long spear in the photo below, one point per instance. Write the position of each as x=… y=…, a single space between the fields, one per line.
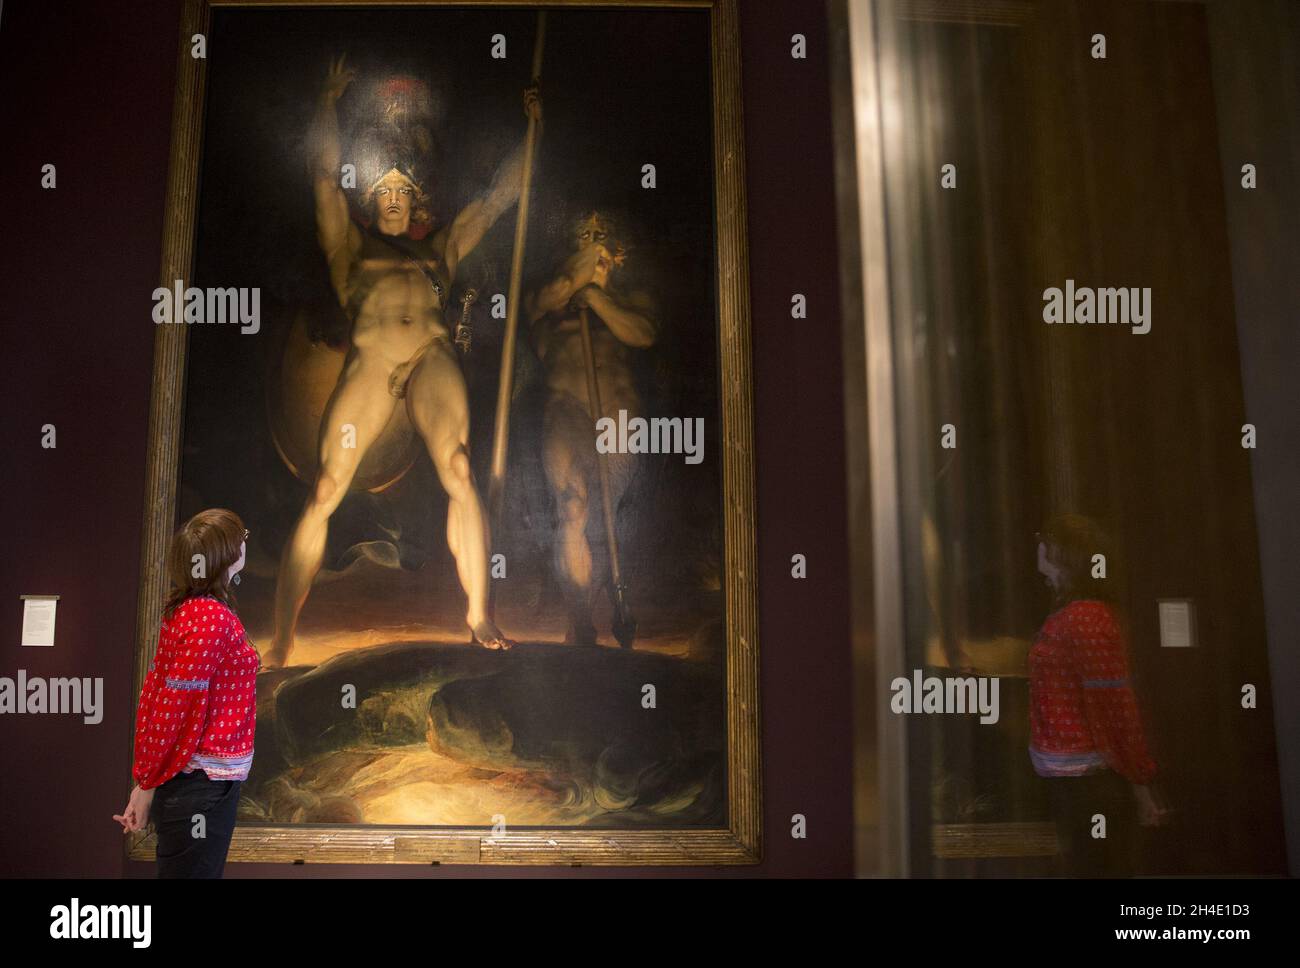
x=501 y=430
x=624 y=624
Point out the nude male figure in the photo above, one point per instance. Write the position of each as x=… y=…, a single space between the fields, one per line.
x=394 y=289
x=620 y=322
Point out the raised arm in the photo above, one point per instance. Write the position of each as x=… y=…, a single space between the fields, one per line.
x=629 y=318
x=469 y=227
x=339 y=239
x=581 y=282
x=552 y=297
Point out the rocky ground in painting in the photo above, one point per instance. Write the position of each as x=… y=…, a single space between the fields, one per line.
x=443 y=733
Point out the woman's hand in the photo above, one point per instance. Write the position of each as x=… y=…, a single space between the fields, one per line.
x=136 y=814
x=337 y=79
x=1152 y=812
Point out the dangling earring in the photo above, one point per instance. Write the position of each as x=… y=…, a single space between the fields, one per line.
x=235 y=578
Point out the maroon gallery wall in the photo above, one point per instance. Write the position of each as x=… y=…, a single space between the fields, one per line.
x=88 y=88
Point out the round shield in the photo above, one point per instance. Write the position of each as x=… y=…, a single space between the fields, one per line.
x=298 y=388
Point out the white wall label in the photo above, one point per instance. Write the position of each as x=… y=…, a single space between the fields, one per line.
x=1177 y=623
x=38 y=619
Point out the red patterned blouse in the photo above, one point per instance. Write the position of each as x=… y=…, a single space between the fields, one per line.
x=1083 y=716
x=198 y=707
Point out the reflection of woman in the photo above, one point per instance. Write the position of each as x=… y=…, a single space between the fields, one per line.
x=198 y=708
x=1085 y=731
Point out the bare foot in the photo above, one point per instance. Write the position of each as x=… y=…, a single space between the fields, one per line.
x=489 y=636
x=275 y=658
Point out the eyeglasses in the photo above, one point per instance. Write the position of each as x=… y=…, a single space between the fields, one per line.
x=245 y=538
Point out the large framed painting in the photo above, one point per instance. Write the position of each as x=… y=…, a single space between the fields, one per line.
x=453 y=312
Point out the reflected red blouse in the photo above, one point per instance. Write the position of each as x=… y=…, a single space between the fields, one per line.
x=198 y=707
x=1083 y=716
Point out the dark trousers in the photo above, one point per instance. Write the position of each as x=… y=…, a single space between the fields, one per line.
x=1075 y=801
x=180 y=852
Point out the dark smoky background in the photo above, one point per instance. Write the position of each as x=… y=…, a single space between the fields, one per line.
x=620 y=89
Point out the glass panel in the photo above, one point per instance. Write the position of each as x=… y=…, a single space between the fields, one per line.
x=1077 y=519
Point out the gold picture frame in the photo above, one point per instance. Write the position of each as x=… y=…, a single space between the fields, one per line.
x=740 y=841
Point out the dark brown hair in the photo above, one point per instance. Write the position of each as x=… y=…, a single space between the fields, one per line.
x=1072 y=540
x=208 y=544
